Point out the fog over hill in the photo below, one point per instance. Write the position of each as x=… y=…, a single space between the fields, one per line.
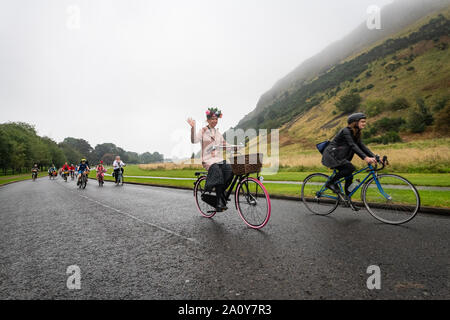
x=394 y=18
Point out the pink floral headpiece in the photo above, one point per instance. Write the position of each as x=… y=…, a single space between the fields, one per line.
x=211 y=112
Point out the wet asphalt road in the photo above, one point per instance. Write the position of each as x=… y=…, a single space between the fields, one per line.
x=136 y=242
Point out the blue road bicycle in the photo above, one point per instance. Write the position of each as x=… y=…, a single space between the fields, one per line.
x=389 y=198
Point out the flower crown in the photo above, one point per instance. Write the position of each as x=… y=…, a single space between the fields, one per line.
x=211 y=112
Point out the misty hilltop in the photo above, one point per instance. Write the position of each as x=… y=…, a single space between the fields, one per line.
x=406 y=60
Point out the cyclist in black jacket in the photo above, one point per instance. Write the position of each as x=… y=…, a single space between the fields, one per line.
x=339 y=153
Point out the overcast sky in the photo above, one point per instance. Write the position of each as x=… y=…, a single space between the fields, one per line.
x=135 y=70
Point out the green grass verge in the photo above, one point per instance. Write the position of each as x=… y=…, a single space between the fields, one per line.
x=19 y=177
x=418 y=179
x=428 y=198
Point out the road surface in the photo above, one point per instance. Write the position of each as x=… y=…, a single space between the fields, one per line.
x=140 y=242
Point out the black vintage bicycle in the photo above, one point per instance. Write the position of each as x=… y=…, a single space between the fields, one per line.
x=251 y=198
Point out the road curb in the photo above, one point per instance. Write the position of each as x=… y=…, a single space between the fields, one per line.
x=426 y=210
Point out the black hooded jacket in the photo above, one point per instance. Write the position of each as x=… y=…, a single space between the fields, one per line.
x=342 y=149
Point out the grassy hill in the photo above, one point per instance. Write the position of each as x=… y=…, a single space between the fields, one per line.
x=401 y=81
x=401 y=16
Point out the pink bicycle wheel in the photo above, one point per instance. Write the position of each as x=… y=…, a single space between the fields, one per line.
x=205 y=209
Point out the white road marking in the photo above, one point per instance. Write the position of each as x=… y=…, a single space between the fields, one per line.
x=136 y=218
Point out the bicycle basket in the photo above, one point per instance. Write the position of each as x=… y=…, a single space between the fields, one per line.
x=322 y=146
x=247 y=164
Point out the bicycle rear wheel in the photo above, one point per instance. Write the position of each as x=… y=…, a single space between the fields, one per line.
x=253 y=203
x=391 y=199
x=204 y=208
x=316 y=198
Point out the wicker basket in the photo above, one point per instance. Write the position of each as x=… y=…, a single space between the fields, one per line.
x=247 y=164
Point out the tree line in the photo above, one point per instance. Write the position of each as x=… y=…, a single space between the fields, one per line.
x=21 y=147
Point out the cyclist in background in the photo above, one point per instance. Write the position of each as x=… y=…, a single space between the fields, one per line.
x=339 y=153
x=65 y=168
x=118 y=166
x=72 y=170
x=51 y=170
x=35 y=169
x=82 y=168
x=100 y=169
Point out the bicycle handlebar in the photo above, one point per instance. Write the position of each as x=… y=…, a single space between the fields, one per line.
x=384 y=162
x=230 y=146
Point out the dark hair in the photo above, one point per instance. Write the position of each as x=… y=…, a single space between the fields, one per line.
x=355 y=130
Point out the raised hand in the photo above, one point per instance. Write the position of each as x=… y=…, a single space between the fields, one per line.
x=191 y=122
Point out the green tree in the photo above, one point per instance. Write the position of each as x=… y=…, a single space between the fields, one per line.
x=108 y=158
x=72 y=155
x=6 y=150
x=349 y=103
x=81 y=145
x=56 y=154
x=399 y=104
x=101 y=149
x=425 y=111
x=420 y=117
x=375 y=107
x=133 y=157
x=442 y=123
x=415 y=122
x=388 y=124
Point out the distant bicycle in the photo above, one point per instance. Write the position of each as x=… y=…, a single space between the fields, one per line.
x=83 y=180
x=389 y=198
x=34 y=175
x=119 y=178
x=65 y=174
x=251 y=198
x=101 y=177
x=52 y=174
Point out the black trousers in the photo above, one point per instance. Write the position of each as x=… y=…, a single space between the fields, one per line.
x=344 y=171
x=116 y=173
x=219 y=177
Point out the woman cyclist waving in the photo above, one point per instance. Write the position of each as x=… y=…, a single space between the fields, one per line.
x=219 y=172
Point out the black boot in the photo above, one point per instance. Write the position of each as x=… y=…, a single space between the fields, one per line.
x=221 y=204
x=333 y=187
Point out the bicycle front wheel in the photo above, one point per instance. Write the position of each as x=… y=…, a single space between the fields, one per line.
x=253 y=203
x=316 y=198
x=391 y=199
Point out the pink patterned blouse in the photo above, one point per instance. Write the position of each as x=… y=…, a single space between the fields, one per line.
x=210 y=138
